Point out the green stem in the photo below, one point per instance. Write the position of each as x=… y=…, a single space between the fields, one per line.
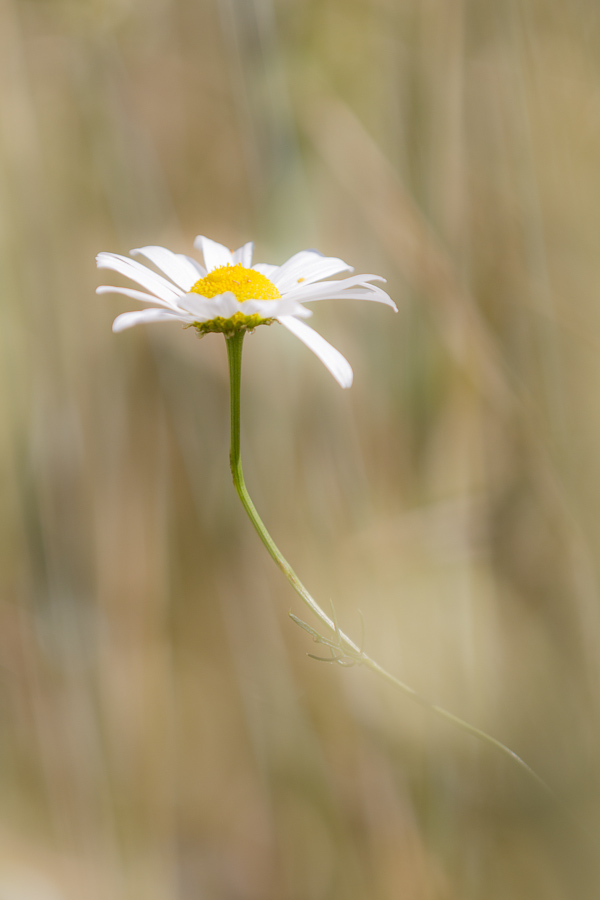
x=346 y=645
x=234 y=351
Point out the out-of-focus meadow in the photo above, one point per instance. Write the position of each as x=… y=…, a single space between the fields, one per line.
x=164 y=735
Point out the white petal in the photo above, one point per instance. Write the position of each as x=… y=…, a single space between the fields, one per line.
x=129 y=319
x=331 y=358
x=176 y=266
x=244 y=255
x=214 y=254
x=200 y=308
x=223 y=306
x=140 y=273
x=377 y=296
x=306 y=267
x=194 y=262
x=272 y=309
x=355 y=288
x=226 y=305
x=136 y=295
x=267 y=270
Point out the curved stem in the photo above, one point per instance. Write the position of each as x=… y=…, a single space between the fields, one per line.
x=234 y=351
x=343 y=643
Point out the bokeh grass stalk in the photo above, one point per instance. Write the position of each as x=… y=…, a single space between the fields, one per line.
x=342 y=648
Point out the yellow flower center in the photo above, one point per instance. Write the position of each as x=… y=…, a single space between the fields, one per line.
x=246 y=284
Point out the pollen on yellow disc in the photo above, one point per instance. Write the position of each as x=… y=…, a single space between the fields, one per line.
x=246 y=284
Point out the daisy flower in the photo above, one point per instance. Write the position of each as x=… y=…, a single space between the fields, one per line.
x=228 y=294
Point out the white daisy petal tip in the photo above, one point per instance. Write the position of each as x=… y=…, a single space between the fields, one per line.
x=230 y=294
x=331 y=358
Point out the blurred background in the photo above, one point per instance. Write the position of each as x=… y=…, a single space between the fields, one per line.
x=164 y=735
